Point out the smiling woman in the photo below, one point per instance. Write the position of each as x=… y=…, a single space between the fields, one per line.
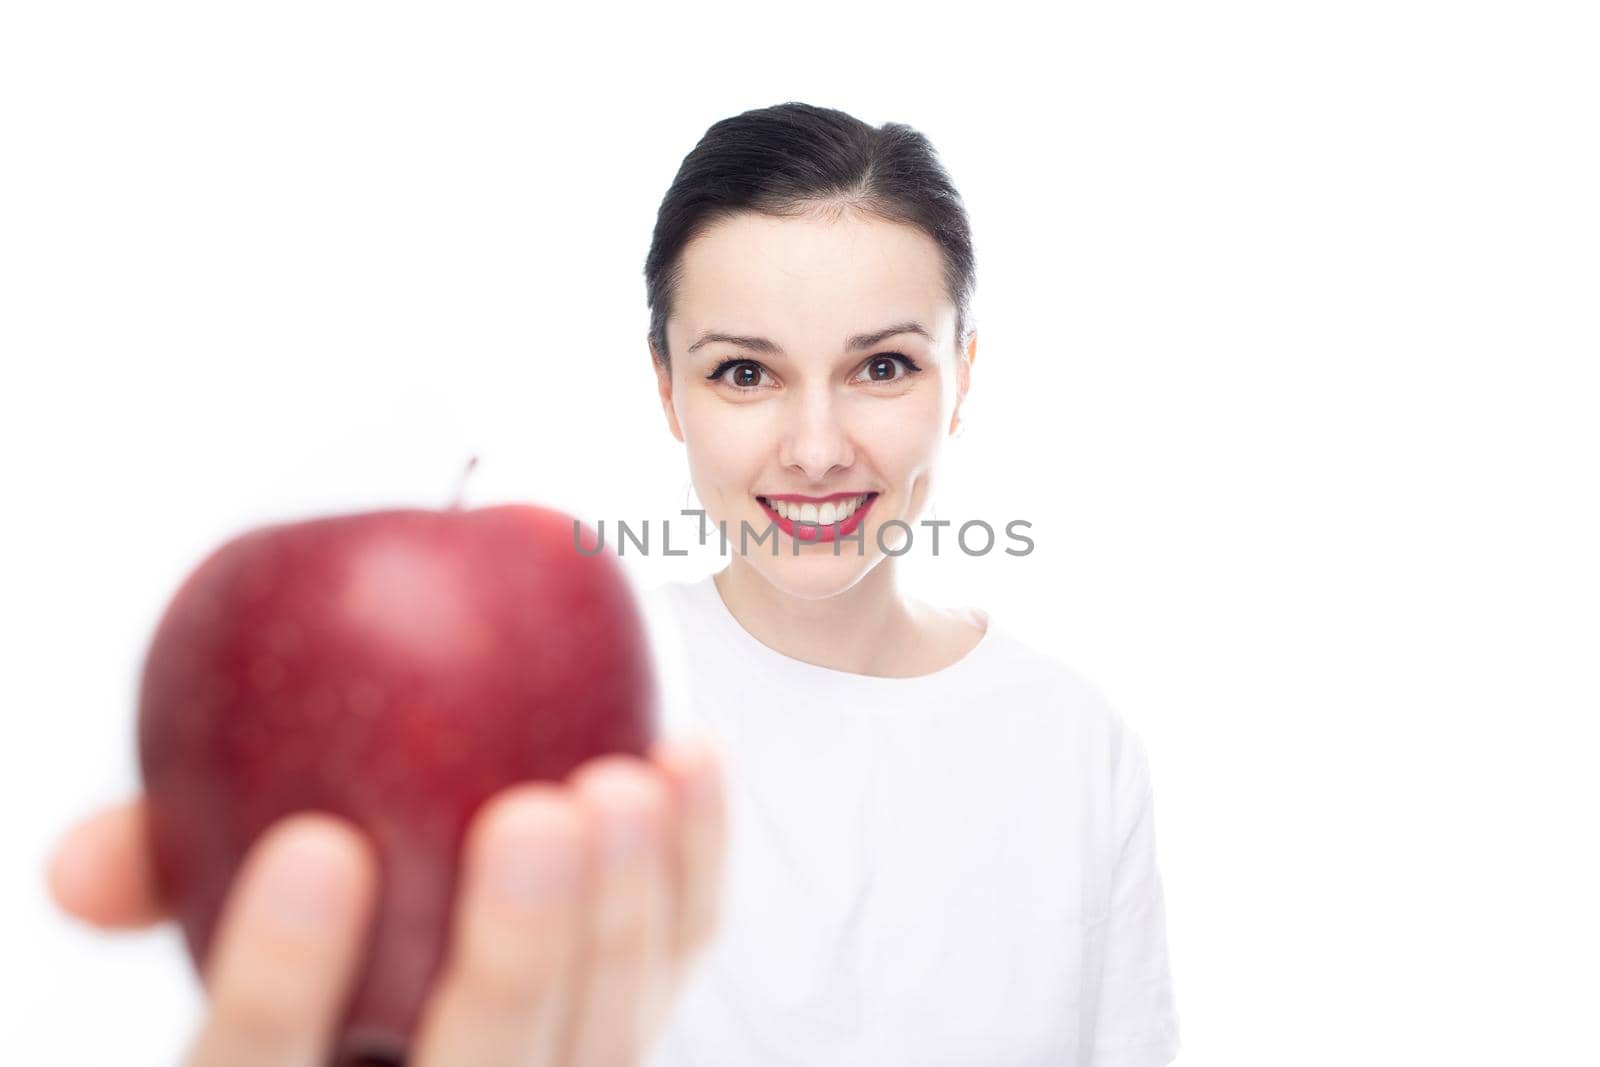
x=941 y=840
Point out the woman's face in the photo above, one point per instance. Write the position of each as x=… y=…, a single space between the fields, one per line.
x=781 y=386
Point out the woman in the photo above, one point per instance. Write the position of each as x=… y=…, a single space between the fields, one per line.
x=939 y=843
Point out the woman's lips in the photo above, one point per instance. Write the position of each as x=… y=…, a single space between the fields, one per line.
x=818 y=532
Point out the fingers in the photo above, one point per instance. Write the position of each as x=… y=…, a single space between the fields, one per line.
x=620 y=985
x=101 y=871
x=506 y=984
x=285 y=952
x=580 y=907
x=695 y=770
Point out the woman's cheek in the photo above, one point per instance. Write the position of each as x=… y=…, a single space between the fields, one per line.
x=726 y=457
x=911 y=434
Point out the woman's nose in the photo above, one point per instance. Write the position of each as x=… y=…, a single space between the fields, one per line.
x=815 y=440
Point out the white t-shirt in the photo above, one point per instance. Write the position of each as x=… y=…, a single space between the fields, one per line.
x=952 y=869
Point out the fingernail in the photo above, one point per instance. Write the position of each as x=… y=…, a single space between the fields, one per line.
x=704 y=785
x=306 y=881
x=625 y=836
x=533 y=861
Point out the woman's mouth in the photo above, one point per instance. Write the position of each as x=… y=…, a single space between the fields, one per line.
x=818 y=522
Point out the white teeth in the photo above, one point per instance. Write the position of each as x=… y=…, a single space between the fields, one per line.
x=826 y=515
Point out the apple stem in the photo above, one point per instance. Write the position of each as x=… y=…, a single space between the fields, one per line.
x=461 y=483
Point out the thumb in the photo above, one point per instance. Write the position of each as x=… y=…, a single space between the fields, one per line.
x=101 y=871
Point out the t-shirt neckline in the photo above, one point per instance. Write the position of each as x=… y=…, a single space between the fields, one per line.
x=732 y=631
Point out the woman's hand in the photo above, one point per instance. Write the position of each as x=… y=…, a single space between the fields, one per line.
x=541 y=969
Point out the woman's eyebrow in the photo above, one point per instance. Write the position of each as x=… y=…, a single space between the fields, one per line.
x=859 y=341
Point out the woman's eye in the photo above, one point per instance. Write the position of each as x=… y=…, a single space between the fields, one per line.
x=745 y=374
x=884 y=368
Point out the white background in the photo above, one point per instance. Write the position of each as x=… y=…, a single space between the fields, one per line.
x=1287 y=348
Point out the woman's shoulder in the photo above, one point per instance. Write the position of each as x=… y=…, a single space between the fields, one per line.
x=662 y=601
x=662 y=610
x=1046 y=678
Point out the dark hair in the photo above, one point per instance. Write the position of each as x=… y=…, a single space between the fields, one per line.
x=794 y=160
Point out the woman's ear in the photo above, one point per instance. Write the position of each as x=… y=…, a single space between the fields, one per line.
x=964 y=377
x=664 y=390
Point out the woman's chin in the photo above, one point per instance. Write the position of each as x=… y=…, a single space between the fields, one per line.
x=816 y=573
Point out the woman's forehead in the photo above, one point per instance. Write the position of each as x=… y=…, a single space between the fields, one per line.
x=754 y=273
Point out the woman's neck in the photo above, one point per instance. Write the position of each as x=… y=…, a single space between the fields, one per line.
x=870 y=628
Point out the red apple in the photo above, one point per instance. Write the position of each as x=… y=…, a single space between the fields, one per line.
x=396 y=668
